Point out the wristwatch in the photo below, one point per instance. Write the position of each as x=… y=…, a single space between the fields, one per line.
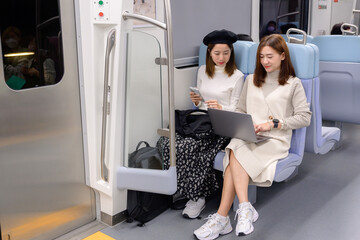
x=276 y=122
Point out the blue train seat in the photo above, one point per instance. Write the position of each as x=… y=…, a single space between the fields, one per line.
x=319 y=139
x=339 y=74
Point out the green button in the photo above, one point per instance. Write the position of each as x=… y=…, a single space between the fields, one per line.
x=101 y=2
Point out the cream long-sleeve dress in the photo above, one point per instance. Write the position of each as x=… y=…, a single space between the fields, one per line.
x=287 y=103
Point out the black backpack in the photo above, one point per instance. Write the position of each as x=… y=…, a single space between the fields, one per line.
x=145 y=157
x=144 y=206
x=192 y=121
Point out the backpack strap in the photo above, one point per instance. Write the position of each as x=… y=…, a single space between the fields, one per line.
x=146 y=144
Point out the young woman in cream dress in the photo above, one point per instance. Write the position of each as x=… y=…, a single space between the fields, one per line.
x=276 y=100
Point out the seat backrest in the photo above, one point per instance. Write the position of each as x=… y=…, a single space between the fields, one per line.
x=338 y=48
x=303 y=58
x=340 y=77
x=241 y=51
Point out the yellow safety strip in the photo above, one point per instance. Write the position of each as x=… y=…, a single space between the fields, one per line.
x=98 y=236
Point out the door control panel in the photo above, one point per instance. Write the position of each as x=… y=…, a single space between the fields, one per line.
x=101 y=10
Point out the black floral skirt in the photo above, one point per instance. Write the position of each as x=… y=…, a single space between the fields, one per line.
x=194 y=162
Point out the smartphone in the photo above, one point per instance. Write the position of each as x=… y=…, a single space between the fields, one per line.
x=196 y=90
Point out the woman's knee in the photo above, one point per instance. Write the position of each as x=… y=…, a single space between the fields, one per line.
x=227 y=171
x=232 y=158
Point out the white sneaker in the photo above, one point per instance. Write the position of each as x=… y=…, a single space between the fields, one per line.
x=193 y=209
x=214 y=227
x=246 y=216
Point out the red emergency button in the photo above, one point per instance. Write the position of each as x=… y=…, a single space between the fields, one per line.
x=101 y=14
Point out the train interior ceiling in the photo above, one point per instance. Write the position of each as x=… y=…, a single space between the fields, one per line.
x=84 y=83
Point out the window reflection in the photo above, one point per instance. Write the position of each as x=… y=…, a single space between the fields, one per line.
x=31 y=44
x=279 y=16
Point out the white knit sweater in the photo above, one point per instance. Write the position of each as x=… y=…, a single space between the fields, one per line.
x=226 y=90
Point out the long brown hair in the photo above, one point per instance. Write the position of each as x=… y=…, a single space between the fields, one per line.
x=278 y=43
x=210 y=65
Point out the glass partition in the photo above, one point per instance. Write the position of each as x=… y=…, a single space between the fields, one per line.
x=144 y=115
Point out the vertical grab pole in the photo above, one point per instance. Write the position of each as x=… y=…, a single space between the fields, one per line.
x=170 y=81
x=106 y=103
x=169 y=36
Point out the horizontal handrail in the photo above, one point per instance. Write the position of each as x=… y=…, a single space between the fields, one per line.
x=126 y=15
x=287 y=14
x=47 y=22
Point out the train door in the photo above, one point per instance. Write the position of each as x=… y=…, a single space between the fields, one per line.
x=43 y=193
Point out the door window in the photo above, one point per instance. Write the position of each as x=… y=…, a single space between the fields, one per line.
x=31 y=43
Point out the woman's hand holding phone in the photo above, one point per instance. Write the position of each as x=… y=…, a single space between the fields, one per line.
x=195 y=95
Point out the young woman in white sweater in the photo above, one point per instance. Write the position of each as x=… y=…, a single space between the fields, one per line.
x=277 y=102
x=220 y=84
x=219 y=81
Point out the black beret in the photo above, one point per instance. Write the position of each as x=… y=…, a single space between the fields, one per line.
x=220 y=36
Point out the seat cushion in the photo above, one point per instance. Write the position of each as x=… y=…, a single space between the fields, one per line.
x=286 y=166
x=218 y=162
x=329 y=136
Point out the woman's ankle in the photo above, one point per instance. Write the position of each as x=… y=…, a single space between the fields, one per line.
x=222 y=214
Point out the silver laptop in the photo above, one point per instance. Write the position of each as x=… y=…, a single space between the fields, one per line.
x=235 y=125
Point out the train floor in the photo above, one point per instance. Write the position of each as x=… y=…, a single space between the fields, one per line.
x=321 y=202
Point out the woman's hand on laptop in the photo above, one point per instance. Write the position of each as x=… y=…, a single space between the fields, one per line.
x=263 y=127
x=213 y=104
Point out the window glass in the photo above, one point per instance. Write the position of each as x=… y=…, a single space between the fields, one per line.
x=279 y=16
x=31 y=43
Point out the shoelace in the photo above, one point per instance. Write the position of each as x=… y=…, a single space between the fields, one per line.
x=243 y=213
x=211 y=219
